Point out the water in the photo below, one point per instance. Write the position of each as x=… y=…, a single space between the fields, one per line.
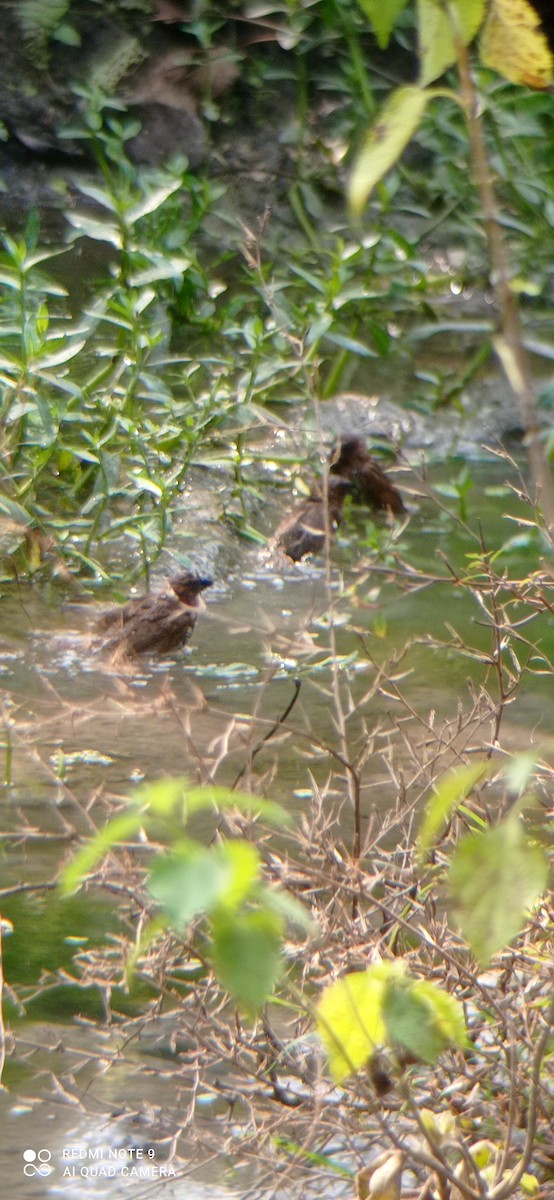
x=78 y=738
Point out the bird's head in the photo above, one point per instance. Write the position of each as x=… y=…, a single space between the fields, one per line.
x=187 y=585
x=348 y=450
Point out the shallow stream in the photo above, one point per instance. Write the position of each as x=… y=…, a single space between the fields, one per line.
x=78 y=737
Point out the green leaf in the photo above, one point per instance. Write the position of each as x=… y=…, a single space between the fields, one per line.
x=449 y=793
x=222 y=798
x=494 y=878
x=423 y=1018
x=195 y=880
x=246 y=955
x=92 y=227
x=519 y=770
x=350 y=344
x=187 y=884
x=67 y=34
x=162 y=797
x=15 y=511
x=166 y=796
x=120 y=829
x=439 y=32
x=529 y=1184
x=69 y=347
x=385 y=142
x=287 y=907
x=382 y=17
x=146 y=485
x=368 y=1009
x=99 y=194
x=152 y=201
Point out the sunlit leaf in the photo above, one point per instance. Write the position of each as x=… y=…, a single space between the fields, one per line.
x=15 y=511
x=99 y=231
x=450 y=790
x=494 y=878
x=483 y=1152
x=382 y=1180
x=513 y=44
x=439 y=29
x=152 y=201
x=351 y=344
x=385 y=142
x=147 y=485
x=99 y=194
x=173 y=268
x=68 y=348
x=38 y=256
x=384 y=1005
x=163 y=796
x=67 y=34
x=529 y=1184
x=350 y=1019
x=175 y=795
x=223 y=798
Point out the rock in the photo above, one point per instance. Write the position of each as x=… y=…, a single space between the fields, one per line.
x=166 y=131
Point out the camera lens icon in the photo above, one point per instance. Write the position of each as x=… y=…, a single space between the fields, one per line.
x=37 y=1162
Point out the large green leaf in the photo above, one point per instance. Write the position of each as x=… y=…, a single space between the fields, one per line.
x=196 y=880
x=385 y=142
x=494 y=878
x=246 y=955
x=423 y=1018
x=439 y=31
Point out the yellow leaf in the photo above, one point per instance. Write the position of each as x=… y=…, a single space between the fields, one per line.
x=382 y=1179
x=350 y=1020
x=385 y=142
x=386 y=1181
x=513 y=44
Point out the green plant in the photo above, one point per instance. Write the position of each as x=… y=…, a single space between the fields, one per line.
x=42 y=20
x=81 y=441
x=445 y=32
x=240 y=921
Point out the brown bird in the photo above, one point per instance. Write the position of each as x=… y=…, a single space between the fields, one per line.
x=370 y=485
x=158 y=622
x=303 y=531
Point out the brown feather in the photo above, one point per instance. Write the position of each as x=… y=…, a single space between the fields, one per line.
x=370 y=484
x=159 y=622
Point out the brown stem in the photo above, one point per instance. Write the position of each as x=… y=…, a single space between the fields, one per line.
x=509 y=343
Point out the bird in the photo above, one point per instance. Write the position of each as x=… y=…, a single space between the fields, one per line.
x=158 y=622
x=351 y=460
x=303 y=531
